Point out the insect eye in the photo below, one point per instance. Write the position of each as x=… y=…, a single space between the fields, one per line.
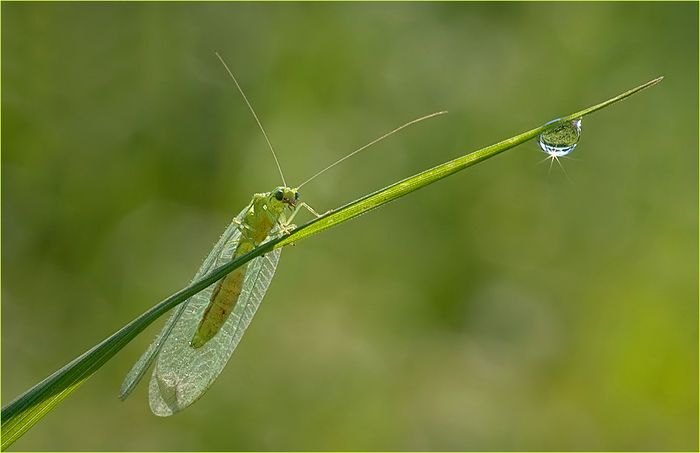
x=279 y=195
x=296 y=195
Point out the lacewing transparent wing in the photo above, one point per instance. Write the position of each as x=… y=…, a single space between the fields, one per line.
x=182 y=374
x=230 y=235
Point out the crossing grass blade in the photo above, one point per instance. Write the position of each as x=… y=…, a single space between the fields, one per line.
x=25 y=411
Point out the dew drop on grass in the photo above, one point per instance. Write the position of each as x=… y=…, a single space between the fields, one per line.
x=561 y=140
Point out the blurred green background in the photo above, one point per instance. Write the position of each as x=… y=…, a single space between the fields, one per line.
x=507 y=307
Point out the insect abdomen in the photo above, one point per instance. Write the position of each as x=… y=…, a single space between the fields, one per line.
x=223 y=299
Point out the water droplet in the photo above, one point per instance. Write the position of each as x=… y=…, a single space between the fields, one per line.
x=561 y=140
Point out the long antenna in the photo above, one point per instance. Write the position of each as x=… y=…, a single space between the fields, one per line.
x=373 y=142
x=254 y=116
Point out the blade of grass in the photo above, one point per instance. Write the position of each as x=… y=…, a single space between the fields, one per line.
x=405 y=186
x=25 y=411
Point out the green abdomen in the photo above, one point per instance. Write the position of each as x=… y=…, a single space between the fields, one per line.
x=225 y=295
x=223 y=299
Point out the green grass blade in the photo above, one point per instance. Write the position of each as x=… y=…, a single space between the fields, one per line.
x=25 y=411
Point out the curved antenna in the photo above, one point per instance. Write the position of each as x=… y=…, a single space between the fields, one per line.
x=254 y=116
x=372 y=143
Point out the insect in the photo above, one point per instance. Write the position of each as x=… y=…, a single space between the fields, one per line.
x=197 y=341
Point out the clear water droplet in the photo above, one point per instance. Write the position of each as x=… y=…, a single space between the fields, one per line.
x=561 y=140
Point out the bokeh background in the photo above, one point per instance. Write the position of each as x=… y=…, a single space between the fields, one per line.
x=509 y=307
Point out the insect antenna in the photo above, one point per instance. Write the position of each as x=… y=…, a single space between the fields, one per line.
x=376 y=140
x=245 y=98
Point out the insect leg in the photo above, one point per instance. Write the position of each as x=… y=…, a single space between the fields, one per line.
x=300 y=205
x=286 y=224
x=240 y=225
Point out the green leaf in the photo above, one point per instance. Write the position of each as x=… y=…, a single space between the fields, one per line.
x=25 y=411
